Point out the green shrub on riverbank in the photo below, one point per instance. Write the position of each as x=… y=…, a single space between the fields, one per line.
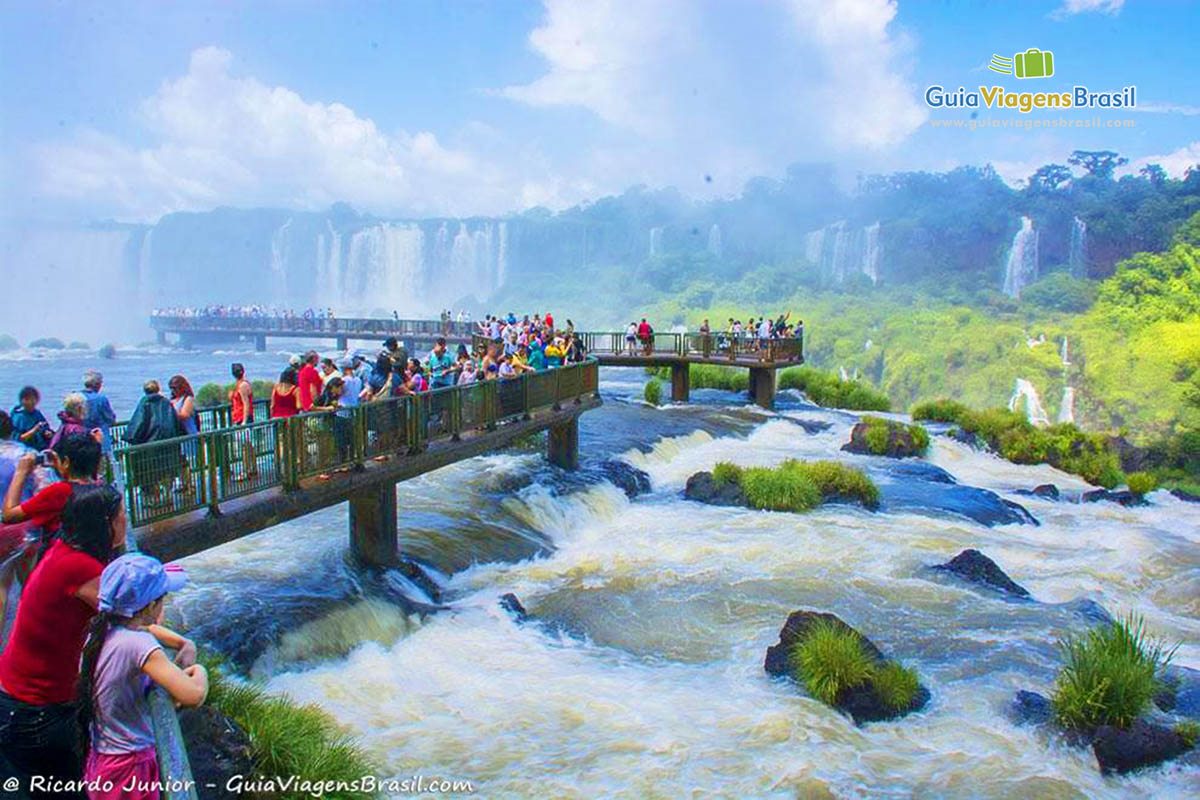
x=709 y=376
x=653 y=392
x=799 y=485
x=1141 y=483
x=287 y=738
x=1011 y=435
x=1110 y=676
x=828 y=390
x=214 y=394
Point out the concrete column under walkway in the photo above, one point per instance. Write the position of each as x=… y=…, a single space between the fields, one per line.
x=343 y=344
x=260 y=343
x=680 y=382
x=563 y=445
x=373 y=533
x=762 y=386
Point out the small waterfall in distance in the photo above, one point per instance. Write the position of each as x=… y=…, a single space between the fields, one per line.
x=870 y=264
x=655 y=242
x=1066 y=411
x=1021 y=268
x=1025 y=394
x=838 y=251
x=714 y=240
x=1077 y=257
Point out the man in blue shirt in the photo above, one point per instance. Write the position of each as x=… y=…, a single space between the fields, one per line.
x=441 y=366
x=99 y=411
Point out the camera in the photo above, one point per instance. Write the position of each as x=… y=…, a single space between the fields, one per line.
x=43 y=458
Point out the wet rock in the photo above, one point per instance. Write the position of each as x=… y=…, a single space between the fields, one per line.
x=860 y=702
x=900 y=442
x=975 y=567
x=1090 y=611
x=1031 y=708
x=811 y=426
x=1142 y=744
x=626 y=477
x=414 y=572
x=1187 y=497
x=217 y=749
x=921 y=471
x=982 y=505
x=965 y=437
x=702 y=488
x=1124 y=497
x=1180 y=693
x=1047 y=491
x=512 y=605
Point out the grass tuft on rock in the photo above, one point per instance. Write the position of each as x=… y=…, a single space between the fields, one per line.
x=725 y=473
x=653 y=392
x=879 y=435
x=799 y=485
x=779 y=489
x=829 y=660
x=1141 y=483
x=828 y=390
x=896 y=685
x=838 y=481
x=289 y=738
x=1110 y=675
x=1189 y=731
x=941 y=410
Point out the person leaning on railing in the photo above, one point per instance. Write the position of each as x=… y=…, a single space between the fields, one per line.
x=241 y=400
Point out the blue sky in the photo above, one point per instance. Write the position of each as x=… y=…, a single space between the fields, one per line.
x=129 y=110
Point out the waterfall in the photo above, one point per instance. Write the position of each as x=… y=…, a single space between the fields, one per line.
x=1025 y=391
x=1063 y=354
x=656 y=242
x=867 y=345
x=1077 y=259
x=280 y=244
x=1021 y=268
x=502 y=256
x=330 y=291
x=870 y=263
x=814 y=242
x=1066 y=412
x=144 y=277
x=838 y=251
x=384 y=269
x=840 y=244
x=842 y=374
x=714 y=240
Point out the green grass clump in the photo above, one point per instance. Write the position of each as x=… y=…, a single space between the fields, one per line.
x=1141 y=483
x=1189 y=731
x=288 y=738
x=653 y=392
x=830 y=659
x=879 y=435
x=709 y=376
x=896 y=685
x=835 y=480
x=779 y=489
x=941 y=410
x=215 y=394
x=724 y=473
x=826 y=389
x=1110 y=675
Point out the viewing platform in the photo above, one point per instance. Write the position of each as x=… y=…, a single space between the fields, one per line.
x=190 y=331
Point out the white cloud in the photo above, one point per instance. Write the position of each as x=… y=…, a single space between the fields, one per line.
x=1167 y=108
x=1071 y=7
x=1176 y=163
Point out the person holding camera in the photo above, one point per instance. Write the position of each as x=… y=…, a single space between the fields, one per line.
x=76 y=461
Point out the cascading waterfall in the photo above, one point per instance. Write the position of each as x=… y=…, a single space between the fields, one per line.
x=1021 y=269
x=1063 y=353
x=280 y=243
x=1066 y=411
x=384 y=269
x=714 y=240
x=838 y=251
x=655 y=242
x=502 y=256
x=1024 y=394
x=329 y=267
x=870 y=264
x=1077 y=258
x=144 y=277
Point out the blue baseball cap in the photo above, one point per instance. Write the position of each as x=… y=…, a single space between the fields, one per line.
x=135 y=580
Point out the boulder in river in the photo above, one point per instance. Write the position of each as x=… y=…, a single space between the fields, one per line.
x=626 y=477
x=1142 y=744
x=924 y=496
x=885 y=437
x=217 y=749
x=1047 y=491
x=974 y=567
x=1180 y=692
x=861 y=702
x=1031 y=708
x=1185 y=496
x=510 y=603
x=1124 y=497
x=702 y=488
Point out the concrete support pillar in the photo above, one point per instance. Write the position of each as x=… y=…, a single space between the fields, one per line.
x=161 y=337
x=680 y=383
x=762 y=386
x=343 y=344
x=564 y=445
x=373 y=535
x=260 y=343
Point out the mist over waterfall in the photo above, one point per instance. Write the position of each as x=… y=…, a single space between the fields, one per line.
x=655 y=242
x=1077 y=255
x=1021 y=269
x=839 y=251
x=1025 y=399
x=714 y=240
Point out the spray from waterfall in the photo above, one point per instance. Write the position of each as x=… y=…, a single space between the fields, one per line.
x=1077 y=257
x=1026 y=396
x=1021 y=269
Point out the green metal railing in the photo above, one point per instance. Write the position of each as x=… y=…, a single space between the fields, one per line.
x=743 y=347
x=177 y=476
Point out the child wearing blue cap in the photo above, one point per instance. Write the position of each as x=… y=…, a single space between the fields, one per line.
x=121 y=662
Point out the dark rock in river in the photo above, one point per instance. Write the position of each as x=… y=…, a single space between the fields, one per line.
x=1089 y=610
x=1180 y=692
x=1046 y=491
x=702 y=488
x=811 y=426
x=1142 y=744
x=626 y=477
x=921 y=471
x=900 y=442
x=1031 y=708
x=512 y=605
x=982 y=505
x=1187 y=497
x=860 y=702
x=217 y=749
x=975 y=567
x=1124 y=497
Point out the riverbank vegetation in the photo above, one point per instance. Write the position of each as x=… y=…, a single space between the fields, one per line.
x=821 y=386
x=214 y=394
x=289 y=738
x=799 y=485
x=652 y=392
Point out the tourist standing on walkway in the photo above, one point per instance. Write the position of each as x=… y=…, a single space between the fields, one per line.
x=241 y=412
x=285 y=401
x=309 y=381
x=99 y=412
x=153 y=420
x=353 y=385
x=71 y=417
x=75 y=461
x=121 y=658
x=30 y=427
x=441 y=365
x=183 y=400
x=631 y=336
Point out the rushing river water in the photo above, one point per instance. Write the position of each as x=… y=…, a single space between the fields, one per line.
x=640 y=674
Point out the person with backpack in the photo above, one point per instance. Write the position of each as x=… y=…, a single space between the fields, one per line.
x=120 y=662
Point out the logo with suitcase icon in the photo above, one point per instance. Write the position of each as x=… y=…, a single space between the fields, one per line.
x=1033 y=63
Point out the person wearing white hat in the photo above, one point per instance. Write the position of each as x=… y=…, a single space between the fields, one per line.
x=121 y=653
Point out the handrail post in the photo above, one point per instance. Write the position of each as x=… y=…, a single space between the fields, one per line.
x=525 y=396
x=290 y=468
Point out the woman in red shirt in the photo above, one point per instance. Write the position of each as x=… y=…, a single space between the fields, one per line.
x=285 y=401
x=39 y=667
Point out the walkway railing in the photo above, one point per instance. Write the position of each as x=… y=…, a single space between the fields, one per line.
x=742 y=348
x=349 y=326
x=177 y=476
